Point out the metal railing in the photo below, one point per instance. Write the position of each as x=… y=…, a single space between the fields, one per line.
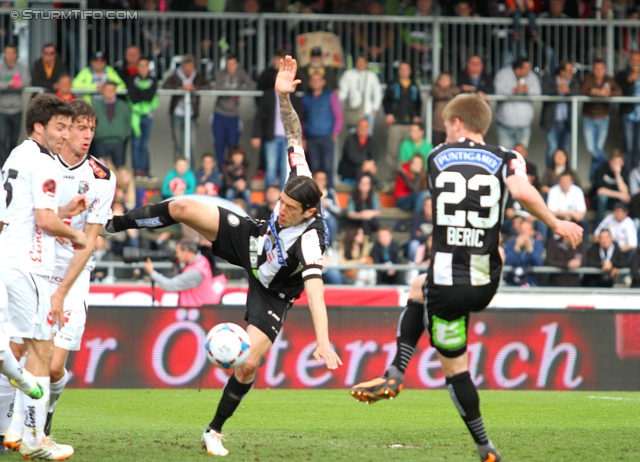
x=112 y=266
x=430 y=44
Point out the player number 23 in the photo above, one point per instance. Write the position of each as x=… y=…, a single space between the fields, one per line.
x=460 y=187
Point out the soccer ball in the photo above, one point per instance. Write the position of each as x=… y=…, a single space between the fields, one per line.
x=228 y=345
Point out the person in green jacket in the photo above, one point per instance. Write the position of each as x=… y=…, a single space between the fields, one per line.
x=142 y=101
x=114 y=125
x=416 y=143
x=95 y=75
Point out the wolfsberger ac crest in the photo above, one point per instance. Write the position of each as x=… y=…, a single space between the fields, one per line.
x=83 y=187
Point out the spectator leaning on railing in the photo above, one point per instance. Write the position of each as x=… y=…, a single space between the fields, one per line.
x=514 y=118
x=609 y=185
x=523 y=253
x=605 y=255
x=622 y=229
x=629 y=81
x=47 y=69
x=474 y=79
x=95 y=75
x=560 y=254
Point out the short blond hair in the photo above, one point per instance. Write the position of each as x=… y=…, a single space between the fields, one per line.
x=472 y=110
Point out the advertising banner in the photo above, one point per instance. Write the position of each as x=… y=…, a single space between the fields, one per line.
x=509 y=349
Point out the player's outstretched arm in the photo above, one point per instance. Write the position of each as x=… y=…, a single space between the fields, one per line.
x=77 y=264
x=286 y=84
x=532 y=201
x=324 y=350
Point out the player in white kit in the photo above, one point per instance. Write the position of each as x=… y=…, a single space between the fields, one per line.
x=69 y=284
x=27 y=245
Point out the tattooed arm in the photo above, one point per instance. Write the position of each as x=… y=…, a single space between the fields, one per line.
x=286 y=83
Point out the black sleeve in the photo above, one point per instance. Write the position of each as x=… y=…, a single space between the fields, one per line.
x=619 y=260
x=486 y=85
x=593 y=257
x=387 y=100
x=635 y=268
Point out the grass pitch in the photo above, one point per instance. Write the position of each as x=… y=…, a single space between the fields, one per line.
x=329 y=425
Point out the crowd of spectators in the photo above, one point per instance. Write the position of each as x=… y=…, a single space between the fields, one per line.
x=338 y=106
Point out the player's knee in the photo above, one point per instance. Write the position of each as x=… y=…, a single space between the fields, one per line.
x=178 y=209
x=415 y=289
x=248 y=369
x=56 y=372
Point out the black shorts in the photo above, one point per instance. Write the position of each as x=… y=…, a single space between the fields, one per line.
x=237 y=243
x=447 y=310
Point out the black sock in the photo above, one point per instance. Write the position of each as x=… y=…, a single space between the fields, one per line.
x=233 y=393
x=465 y=397
x=148 y=216
x=410 y=328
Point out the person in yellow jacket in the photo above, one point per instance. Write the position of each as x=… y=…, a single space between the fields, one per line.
x=95 y=75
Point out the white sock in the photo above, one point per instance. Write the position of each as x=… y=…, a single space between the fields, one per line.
x=17 y=419
x=7 y=395
x=14 y=371
x=35 y=415
x=56 y=390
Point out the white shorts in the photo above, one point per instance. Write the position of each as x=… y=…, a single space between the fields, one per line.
x=75 y=310
x=28 y=305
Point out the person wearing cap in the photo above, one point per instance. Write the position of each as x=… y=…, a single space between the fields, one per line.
x=316 y=66
x=95 y=75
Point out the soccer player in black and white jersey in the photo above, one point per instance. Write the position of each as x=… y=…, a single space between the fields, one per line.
x=469 y=184
x=282 y=257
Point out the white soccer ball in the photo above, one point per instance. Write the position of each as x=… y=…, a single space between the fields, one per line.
x=228 y=345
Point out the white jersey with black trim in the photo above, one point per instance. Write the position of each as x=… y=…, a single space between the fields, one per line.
x=98 y=183
x=31 y=179
x=467 y=183
x=287 y=257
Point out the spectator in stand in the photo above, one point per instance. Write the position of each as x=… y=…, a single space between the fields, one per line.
x=63 y=88
x=605 y=255
x=355 y=248
x=523 y=253
x=271 y=198
x=556 y=116
x=474 y=79
x=316 y=66
x=361 y=94
x=236 y=175
x=387 y=252
x=556 y=43
x=268 y=132
x=330 y=204
x=622 y=229
x=514 y=118
x=403 y=105
x=609 y=185
x=411 y=184
x=562 y=255
x=186 y=77
x=129 y=68
x=267 y=78
x=519 y=8
x=595 y=116
x=143 y=101
x=208 y=176
x=418 y=38
x=560 y=164
x=14 y=76
x=375 y=37
x=364 y=208
x=442 y=92
x=95 y=76
x=113 y=127
x=634 y=192
x=421 y=228
x=226 y=125
x=635 y=269
x=358 y=154
x=532 y=169
x=629 y=82
x=128 y=238
x=322 y=126
x=47 y=70
x=416 y=143
x=126 y=188
x=180 y=180
x=566 y=200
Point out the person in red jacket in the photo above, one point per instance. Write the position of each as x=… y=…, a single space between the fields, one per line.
x=411 y=184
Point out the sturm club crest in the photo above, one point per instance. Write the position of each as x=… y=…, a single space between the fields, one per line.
x=233 y=220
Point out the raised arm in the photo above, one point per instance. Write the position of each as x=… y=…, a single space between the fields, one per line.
x=286 y=84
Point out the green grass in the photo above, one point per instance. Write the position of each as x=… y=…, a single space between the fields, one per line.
x=329 y=425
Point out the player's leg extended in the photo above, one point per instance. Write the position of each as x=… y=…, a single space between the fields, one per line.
x=201 y=217
x=234 y=391
x=12 y=404
x=465 y=397
x=410 y=329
